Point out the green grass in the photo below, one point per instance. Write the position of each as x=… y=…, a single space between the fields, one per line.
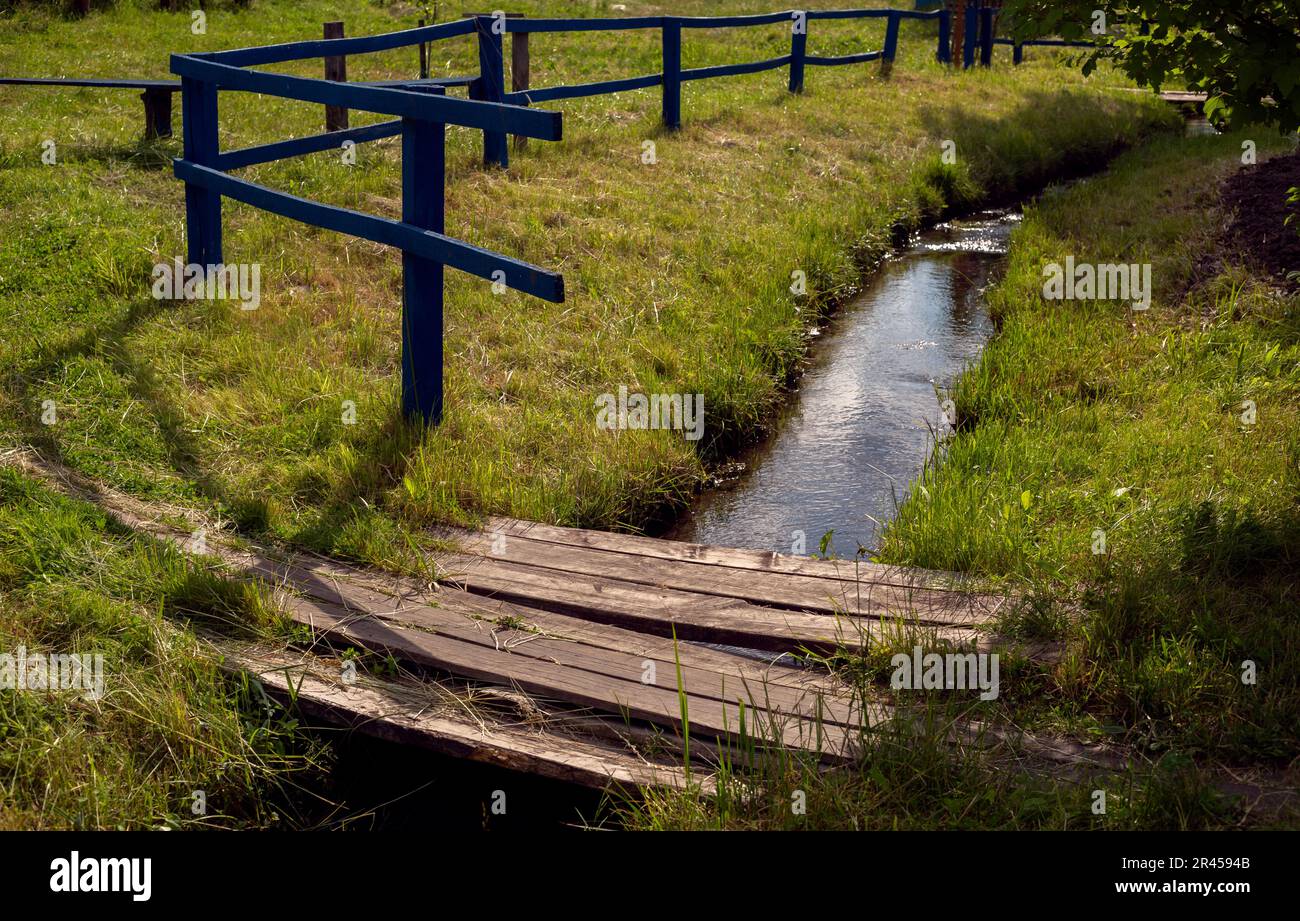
x=169 y=723
x=677 y=272
x=1131 y=424
x=909 y=778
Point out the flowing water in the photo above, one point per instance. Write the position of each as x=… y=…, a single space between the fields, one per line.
x=863 y=420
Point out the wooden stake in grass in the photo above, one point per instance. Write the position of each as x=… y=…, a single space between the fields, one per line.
x=424 y=57
x=336 y=68
x=519 y=72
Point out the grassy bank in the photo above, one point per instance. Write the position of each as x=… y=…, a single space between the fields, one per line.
x=168 y=723
x=1181 y=639
x=678 y=272
x=1137 y=428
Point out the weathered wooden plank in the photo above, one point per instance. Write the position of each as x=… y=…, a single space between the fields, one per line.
x=755 y=560
x=401 y=712
x=790 y=591
x=519 y=633
x=508 y=640
x=650 y=645
x=704 y=618
x=707 y=717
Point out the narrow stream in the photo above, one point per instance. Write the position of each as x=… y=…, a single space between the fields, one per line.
x=863 y=420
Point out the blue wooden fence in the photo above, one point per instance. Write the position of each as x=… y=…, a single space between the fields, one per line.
x=422 y=110
x=491 y=84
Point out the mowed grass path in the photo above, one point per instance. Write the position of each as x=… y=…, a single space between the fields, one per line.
x=677 y=272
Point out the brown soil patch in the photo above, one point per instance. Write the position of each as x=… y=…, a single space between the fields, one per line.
x=1256 y=196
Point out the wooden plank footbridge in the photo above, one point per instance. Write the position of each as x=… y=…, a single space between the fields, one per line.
x=580 y=655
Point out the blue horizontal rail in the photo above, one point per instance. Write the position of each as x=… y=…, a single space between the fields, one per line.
x=875 y=14
x=575 y=91
x=488 y=116
x=430 y=81
x=722 y=22
x=126 y=84
x=731 y=70
x=834 y=60
x=406 y=237
x=329 y=47
x=618 y=24
x=297 y=147
x=850 y=14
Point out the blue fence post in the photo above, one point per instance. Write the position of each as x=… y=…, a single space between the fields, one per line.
x=798 y=48
x=969 y=36
x=491 y=85
x=672 y=43
x=423 y=181
x=944 y=54
x=1017 y=53
x=199 y=136
x=986 y=36
x=891 y=44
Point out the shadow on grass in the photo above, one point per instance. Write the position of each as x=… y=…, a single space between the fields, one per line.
x=382 y=452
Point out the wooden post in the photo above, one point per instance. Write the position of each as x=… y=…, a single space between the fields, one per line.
x=519 y=65
x=423 y=185
x=891 y=45
x=202 y=206
x=492 y=78
x=491 y=86
x=672 y=50
x=157 y=113
x=957 y=14
x=336 y=69
x=798 y=49
x=424 y=57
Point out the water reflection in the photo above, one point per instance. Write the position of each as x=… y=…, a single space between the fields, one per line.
x=861 y=425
